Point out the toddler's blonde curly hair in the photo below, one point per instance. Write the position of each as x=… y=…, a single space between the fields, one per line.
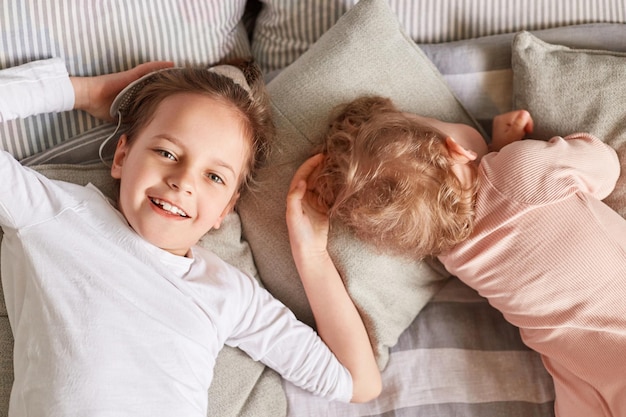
x=388 y=178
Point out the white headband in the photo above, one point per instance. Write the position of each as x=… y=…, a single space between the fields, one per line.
x=124 y=97
x=122 y=100
x=234 y=74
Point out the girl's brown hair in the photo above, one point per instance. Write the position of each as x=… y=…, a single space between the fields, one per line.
x=389 y=179
x=253 y=107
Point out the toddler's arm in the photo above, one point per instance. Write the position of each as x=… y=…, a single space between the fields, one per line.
x=510 y=127
x=338 y=321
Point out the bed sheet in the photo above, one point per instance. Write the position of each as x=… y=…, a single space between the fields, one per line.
x=458 y=358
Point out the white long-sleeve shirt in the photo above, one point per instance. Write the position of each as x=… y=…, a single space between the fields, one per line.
x=37 y=87
x=106 y=324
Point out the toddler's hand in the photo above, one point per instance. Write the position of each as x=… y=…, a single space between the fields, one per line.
x=95 y=94
x=510 y=127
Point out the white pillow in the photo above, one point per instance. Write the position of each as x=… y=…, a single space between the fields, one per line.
x=287 y=28
x=97 y=37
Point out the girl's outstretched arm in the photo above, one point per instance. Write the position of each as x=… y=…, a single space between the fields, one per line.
x=96 y=94
x=44 y=86
x=338 y=321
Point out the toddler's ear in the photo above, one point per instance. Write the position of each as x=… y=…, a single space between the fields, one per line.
x=458 y=152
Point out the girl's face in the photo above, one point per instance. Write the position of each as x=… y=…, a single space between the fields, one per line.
x=180 y=176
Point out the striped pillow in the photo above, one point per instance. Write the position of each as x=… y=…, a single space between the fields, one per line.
x=285 y=28
x=103 y=37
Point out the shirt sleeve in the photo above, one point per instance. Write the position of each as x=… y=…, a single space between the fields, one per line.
x=535 y=172
x=28 y=197
x=269 y=332
x=33 y=88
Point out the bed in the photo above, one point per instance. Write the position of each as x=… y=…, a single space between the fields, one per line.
x=443 y=350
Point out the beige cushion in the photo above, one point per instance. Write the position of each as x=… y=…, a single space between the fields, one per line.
x=366 y=52
x=570 y=90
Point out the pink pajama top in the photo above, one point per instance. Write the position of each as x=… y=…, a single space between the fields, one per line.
x=551 y=256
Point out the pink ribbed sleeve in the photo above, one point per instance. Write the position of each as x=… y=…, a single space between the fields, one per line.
x=538 y=172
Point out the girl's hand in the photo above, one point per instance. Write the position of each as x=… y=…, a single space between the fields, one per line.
x=307 y=220
x=510 y=127
x=336 y=317
x=95 y=94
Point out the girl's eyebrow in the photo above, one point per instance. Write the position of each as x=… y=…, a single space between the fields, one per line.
x=179 y=143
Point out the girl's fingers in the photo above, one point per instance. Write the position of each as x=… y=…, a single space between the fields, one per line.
x=149 y=67
x=305 y=170
x=296 y=191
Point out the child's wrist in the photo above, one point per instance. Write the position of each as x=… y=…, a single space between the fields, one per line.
x=311 y=258
x=80 y=93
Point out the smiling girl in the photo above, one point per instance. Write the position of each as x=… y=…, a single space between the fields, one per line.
x=114 y=308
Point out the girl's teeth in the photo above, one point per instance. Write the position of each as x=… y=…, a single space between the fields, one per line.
x=168 y=207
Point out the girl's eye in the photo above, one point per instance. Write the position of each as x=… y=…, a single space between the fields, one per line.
x=215 y=178
x=166 y=154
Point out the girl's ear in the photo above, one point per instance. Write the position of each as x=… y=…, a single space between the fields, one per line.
x=227 y=209
x=121 y=150
x=458 y=152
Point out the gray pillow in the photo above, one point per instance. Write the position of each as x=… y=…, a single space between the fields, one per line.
x=365 y=53
x=479 y=70
x=570 y=90
x=241 y=386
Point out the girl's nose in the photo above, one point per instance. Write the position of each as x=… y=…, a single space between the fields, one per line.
x=181 y=181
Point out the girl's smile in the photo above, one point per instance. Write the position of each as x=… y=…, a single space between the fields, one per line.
x=167 y=208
